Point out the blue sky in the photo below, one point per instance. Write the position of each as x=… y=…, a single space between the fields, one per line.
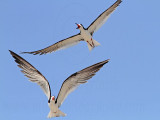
x=127 y=88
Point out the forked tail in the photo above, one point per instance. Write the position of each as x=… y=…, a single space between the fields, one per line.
x=56 y=114
x=93 y=44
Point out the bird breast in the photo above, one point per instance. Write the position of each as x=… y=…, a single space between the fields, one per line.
x=86 y=35
x=53 y=107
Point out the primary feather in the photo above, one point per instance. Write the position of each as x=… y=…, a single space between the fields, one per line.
x=102 y=18
x=81 y=77
x=33 y=74
x=68 y=42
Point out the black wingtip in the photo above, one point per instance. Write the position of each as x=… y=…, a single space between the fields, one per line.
x=33 y=53
x=119 y=1
x=105 y=61
x=25 y=52
x=15 y=56
x=28 y=53
x=22 y=53
x=11 y=52
x=108 y=60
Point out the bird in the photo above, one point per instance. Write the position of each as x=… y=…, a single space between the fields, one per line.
x=69 y=85
x=86 y=34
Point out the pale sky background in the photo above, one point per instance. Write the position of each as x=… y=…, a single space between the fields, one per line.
x=126 y=88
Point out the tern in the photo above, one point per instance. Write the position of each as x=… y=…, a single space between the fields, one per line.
x=69 y=85
x=84 y=35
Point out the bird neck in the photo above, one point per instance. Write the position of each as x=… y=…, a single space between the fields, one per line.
x=82 y=29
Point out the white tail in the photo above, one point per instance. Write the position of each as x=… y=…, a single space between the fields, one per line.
x=95 y=43
x=56 y=114
x=89 y=47
x=51 y=114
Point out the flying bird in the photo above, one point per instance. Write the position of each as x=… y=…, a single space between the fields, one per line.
x=69 y=85
x=84 y=35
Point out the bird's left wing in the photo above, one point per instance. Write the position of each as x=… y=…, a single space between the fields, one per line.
x=101 y=19
x=32 y=73
x=81 y=77
x=68 y=42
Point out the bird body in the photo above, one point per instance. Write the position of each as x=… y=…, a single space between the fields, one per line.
x=54 y=110
x=84 y=35
x=68 y=86
x=87 y=37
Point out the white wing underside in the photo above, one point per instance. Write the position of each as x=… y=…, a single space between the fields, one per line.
x=72 y=82
x=68 y=42
x=101 y=19
x=100 y=24
x=68 y=45
x=33 y=74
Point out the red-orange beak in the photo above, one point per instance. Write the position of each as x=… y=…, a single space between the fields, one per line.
x=78 y=26
x=53 y=98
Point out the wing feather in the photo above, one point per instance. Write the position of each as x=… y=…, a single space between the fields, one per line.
x=33 y=74
x=81 y=77
x=68 y=42
x=102 y=18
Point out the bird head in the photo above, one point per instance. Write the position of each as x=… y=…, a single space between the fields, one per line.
x=78 y=26
x=52 y=98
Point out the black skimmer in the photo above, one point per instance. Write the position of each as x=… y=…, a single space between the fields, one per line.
x=84 y=35
x=70 y=84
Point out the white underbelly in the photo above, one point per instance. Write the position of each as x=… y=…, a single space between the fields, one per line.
x=87 y=37
x=53 y=107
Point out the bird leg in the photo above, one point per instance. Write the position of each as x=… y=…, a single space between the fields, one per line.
x=92 y=43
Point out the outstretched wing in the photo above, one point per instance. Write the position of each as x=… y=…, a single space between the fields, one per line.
x=81 y=77
x=32 y=73
x=101 y=19
x=68 y=42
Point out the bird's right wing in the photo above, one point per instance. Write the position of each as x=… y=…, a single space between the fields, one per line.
x=68 y=42
x=81 y=77
x=33 y=74
x=102 y=18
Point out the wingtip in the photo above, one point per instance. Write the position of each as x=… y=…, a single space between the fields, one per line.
x=14 y=55
x=106 y=61
x=119 y=0
x=11 y=52
x=33 y=53
x=25 y=52
x=21 y=52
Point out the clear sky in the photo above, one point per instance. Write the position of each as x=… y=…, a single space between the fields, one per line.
x=126 y=88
